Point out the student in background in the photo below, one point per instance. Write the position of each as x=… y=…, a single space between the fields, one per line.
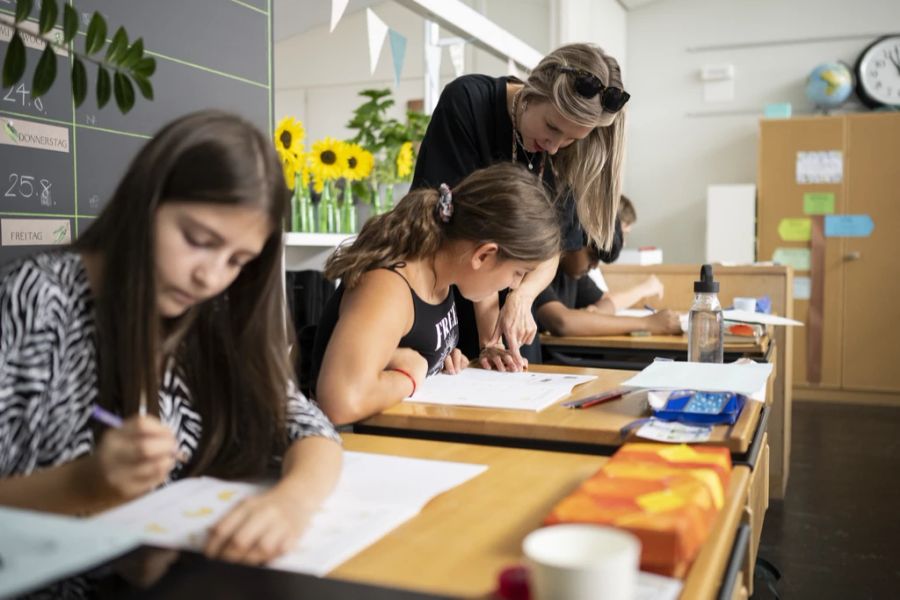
x=573 y=305
x=565 y=123
x=393 y=320
x=169 y=313
x=651 y=287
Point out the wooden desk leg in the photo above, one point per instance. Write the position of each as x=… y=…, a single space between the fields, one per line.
x=780 y=390
x=755 y=511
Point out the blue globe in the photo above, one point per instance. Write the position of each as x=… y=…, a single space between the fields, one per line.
x=829 y=85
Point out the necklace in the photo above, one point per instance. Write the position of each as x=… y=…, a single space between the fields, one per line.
x=517 y=140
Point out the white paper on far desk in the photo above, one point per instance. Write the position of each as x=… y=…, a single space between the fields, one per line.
x=375 y=494
x=644 y=312
x=39 y=548
x=743 y=377
x=746 y=316
x=492 y=389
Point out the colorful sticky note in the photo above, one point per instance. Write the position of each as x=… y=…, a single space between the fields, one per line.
x=848 y=225
x=794 y=257
x=802 y=288
x=777 y=110
x=795 y=230
x=818 y=203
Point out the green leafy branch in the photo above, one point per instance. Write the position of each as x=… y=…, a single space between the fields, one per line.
x=383 y=136
x=123 y=66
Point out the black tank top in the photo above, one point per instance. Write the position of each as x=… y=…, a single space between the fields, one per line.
x=434 y=332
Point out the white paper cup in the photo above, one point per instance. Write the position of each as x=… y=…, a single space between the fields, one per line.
x=748 y=304
x=582 y=562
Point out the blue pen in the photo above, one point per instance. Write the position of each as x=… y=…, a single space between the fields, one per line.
x=105 y=417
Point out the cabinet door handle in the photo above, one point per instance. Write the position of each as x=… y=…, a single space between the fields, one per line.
x=854 y=255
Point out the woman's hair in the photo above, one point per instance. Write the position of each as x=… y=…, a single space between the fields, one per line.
x=503 y=203
x=591 y=167
x=231 y=350
x=627 y=214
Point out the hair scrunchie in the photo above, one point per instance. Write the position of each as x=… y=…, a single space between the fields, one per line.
x=445 y=203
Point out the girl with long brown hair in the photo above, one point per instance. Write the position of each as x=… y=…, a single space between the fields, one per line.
x=565 y=123
x=393 y=319
x=168 y=312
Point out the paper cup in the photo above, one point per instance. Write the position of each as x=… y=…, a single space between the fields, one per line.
x=582 y=562
x=748 y=304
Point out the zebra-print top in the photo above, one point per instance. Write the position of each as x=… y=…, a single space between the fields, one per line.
x=48 y=372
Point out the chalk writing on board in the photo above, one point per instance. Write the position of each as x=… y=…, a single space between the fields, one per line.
x=21 y=95
x=25 y=186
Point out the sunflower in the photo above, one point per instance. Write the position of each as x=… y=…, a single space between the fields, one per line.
x=359 y=162
x=405 y=160
x=290 y=162
x=289 y=136
x=327 y=160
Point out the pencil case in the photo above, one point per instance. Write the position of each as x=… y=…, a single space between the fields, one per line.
x=701 y=408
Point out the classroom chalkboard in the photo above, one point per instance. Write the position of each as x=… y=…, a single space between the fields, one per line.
x=59 y=165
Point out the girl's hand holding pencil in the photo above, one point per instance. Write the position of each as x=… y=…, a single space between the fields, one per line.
x=135 y=455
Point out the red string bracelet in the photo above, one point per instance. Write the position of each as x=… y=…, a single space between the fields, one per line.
x=411 y=380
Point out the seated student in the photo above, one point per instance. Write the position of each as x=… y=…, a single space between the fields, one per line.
x=393 y=320
x=168 y=312
x=573 y=304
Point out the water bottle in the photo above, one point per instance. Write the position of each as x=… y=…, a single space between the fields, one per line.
x=705 y=320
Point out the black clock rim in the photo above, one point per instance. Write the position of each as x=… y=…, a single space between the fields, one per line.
x=861 y=93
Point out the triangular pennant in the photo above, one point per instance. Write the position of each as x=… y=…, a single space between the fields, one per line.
x=398 y=52
x=337 y=11
x=377 y=32
x=458 y=57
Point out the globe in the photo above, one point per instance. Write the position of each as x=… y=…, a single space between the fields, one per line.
x=829 y=85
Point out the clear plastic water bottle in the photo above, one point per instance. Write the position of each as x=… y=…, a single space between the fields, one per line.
x=705 y=320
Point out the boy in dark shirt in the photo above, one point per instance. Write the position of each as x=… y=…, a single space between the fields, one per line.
x=573 y=304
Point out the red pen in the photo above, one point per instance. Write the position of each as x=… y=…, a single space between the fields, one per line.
x=597 y=398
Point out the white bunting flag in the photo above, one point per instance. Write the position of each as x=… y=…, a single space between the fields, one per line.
x=377 y=32
x=337 y=11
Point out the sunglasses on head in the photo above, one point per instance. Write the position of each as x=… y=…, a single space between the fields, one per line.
x=588 y=85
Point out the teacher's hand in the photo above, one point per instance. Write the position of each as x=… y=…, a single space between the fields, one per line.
x=516 y=325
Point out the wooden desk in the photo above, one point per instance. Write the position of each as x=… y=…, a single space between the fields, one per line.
x=594 y=430
x=462 y=539
x=636 y=352
x=776 y=282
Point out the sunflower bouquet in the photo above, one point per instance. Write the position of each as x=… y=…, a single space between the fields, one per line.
x=289 y=136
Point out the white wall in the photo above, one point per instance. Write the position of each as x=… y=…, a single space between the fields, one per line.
x=602 y=22
x=672 y=156
x=318 y=74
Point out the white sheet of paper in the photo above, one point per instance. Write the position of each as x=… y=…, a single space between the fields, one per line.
x=673 y=432
x=746 y=316
x=375 y=494
x=40 y=548
x=492 y=389
x=651 y=586
x=643 y=312
x=744 y=378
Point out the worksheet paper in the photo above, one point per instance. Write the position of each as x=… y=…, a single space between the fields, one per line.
x=492 y=389
x=375 y=494
x=645 y=312
x=746 y=316
x=37 y=549
x=746 y=378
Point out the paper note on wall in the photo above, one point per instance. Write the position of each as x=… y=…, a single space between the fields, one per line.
x=792 y=257
x=820 y=167
x=802 y=288
x=818 y=203
x=848 y=225
x=795 y=230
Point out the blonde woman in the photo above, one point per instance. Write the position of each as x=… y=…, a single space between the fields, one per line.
x=565 y=124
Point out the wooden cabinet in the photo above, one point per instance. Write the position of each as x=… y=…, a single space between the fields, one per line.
x=859 y=347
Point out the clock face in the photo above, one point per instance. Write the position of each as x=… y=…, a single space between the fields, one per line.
x=878 y=72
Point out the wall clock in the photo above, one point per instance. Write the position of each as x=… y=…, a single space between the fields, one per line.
x=878 y=73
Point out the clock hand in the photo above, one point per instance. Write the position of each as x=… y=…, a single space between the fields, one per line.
x=895 y=58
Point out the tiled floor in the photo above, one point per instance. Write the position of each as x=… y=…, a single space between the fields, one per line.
x=837 y=533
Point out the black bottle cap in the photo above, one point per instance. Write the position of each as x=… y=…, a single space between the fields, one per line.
x=706 y=285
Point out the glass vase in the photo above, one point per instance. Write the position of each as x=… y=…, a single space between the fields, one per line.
x=302 y=218
x=348 y=210
x=329 y=217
